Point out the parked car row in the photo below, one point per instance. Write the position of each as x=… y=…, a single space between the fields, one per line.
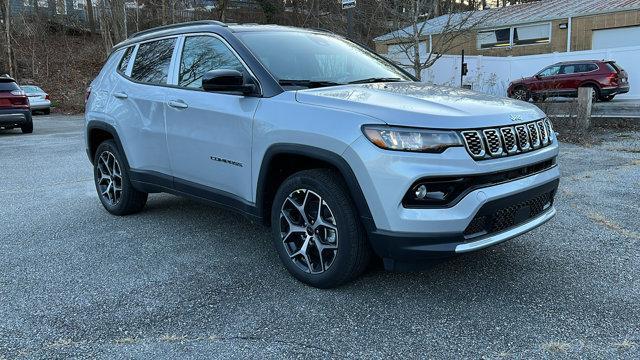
x=17 y=103
x=563 y=79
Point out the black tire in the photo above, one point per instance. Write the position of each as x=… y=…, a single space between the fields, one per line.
x=27 y=128
x=596 y=93
x=521 y=93
x=353 y=252
x=46 y=111
x=130 y=200
x=607 y=98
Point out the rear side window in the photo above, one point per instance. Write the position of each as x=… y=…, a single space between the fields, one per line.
x=613 y=67
x=152 y=61
x=122 y=67
x=201 y=54
x=8 y=86
x=569 y=69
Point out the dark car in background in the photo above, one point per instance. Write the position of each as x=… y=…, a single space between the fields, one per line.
x=564 y=78
x=14 y=106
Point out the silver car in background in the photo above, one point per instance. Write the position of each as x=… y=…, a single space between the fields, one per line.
x=38 y=98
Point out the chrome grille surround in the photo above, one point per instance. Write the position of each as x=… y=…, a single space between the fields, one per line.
x=491 y=143
x=509 y=140
x=474 y=144
x=523 y=137
x=534 y=135
x=494 y=144
x=544 y=134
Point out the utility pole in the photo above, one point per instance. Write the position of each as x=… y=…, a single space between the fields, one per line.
x=7 y=32
x=349 y=5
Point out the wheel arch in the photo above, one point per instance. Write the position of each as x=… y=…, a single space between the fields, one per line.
x=591 y=83
x=282 y=160
x=97 y=133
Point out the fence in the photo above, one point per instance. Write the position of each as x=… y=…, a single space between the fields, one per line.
x=492 y=75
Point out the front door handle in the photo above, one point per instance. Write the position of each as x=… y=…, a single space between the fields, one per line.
x=120 y=95
x=177 y=104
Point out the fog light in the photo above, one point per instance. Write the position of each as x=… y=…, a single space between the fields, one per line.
x=421 y=192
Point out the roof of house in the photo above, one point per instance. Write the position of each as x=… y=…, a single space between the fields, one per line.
x=536 y=11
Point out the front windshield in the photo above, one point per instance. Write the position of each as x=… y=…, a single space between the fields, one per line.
x=311 y=59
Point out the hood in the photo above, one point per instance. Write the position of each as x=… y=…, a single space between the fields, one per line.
x=524 y=80
x=421 y=105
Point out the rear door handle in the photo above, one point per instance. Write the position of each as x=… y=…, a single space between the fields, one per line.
x=120 y=95
x=177 y=104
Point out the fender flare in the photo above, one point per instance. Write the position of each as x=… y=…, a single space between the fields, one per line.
x=332 y=158
x=100 y=125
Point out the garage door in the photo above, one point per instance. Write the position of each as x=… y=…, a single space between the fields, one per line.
x=611 y=38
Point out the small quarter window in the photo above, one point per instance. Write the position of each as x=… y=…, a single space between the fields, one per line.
x=152 y=61
x=125 y=60
x=201 y=54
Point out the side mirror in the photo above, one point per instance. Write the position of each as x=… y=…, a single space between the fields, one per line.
x=226 y=80
x=538 y=76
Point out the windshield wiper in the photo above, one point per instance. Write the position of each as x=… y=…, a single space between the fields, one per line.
x=375 y=80
x=307 y=83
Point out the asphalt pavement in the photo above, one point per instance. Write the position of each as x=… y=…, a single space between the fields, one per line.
x=182 y=280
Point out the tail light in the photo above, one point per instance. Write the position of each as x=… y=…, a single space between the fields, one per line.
x=613 y=79
x=87 y=94
x=46 y=97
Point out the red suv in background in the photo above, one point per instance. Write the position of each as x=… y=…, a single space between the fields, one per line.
x=14 y=106
x=564 y=78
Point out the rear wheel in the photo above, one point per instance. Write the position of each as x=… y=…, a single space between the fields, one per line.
x=521 y=93
x=27 y=128
x=112 y=182
x=47 y=111
x=316 y=230
x=595 y=95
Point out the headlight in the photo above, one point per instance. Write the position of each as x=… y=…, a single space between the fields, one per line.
x=411 y=139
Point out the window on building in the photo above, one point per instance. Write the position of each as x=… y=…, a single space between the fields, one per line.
x=201 y=54
x=40 y=3
x=152 y=61
x=515 y=36
x=79 y=4
x=531 y=34
x=494 y=38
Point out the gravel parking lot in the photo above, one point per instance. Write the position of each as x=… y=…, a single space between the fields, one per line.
x=183 y=280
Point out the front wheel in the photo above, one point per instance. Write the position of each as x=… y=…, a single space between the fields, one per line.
x=316 y=230
x=521 y=93
x=114 y=189
x=607 y=98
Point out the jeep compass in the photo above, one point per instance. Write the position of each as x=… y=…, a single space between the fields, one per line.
x=343 y=154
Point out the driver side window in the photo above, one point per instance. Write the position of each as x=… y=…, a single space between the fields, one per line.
x=201 y=54
x=550 y=71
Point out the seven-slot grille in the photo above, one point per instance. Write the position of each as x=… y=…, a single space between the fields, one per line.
x=508 y=140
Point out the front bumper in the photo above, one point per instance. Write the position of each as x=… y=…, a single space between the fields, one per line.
x=397 y=247
x=10 y=118
x=398 y=233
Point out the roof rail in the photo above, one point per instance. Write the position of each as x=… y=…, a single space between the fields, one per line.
x=178 y=25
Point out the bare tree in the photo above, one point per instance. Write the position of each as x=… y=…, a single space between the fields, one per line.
x=443 y=34
x=90 y=15
x=5 y=7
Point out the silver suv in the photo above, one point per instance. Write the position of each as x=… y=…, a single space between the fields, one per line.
x=341 y=152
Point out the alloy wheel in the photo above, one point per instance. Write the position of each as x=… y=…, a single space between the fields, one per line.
x=520 y=94
x=309 y=231
x=109 y=178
